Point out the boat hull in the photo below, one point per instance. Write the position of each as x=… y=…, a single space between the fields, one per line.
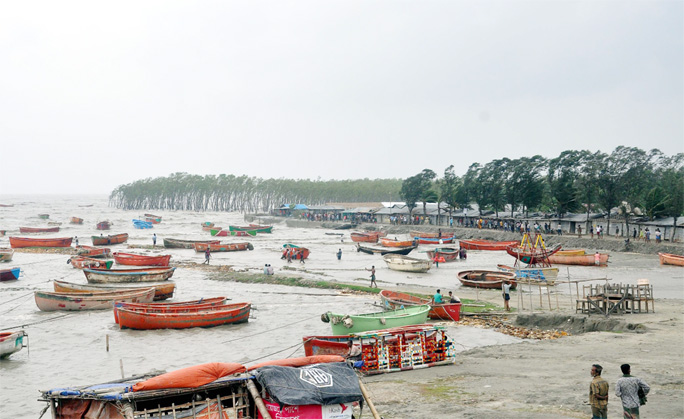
x=486 y=279
x=345 y=324
x=6 y=254
x=407 y=264
x=532 y=257
x=202 y=317
x=162 y=290
x=486 y=244
x=392 y=300
x=97 y=276
x=449 y=254
x=185 y=244
x=80 y=301
x=258 y=229
x=436 y=240
x=76 y=220
x=226 y=233
x=10 y=274
x=671 y=259
x=94 y=252
x=141 y=260
x=223 y=247
x=584 y=260
x=38 y=229
x=395 y=243
x=11 y=342
x=385 y=251
x=371 y=237
x=80 y=262
x=107 y=240
x=20 y=242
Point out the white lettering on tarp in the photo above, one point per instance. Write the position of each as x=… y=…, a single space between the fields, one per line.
x=316 y=377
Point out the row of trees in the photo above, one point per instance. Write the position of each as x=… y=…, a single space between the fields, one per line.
x=630 y=179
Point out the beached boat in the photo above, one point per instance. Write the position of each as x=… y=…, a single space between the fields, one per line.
x=207 y=224
x=107 y=240
x=532 y=256
x=671 y=259
x=571 y=252
x=392 y=300
x=11 y=342
x=10 y=274
x=252 y=227
x=154 y=219
x=390 y=350
x=185 y=244
x=407 y=264
x=93 y=252
x=103 y=225
x=486 y=244
x=6 y=205
x=387 y=242
x=141 y=260
x=543 y=275
x=76 y=220
x=585 y=260
x=173 y=307
x=355 y=323
x=295 y=252
x=38 y=229
x=2 y=232
x=79 y=301
x=209 y=228
x=143 y=319
x=162 y=290
x=385 y=250
x=81 y=262
x=448 y=254
x=43 y=216
x=224 y=233
x=106 y=276
x=368 y=237
x=424 y=234
x=140 y=224
x=435 y=240
x=19 y=242
x=223 y=247
x=6 y=254
x=486 y=279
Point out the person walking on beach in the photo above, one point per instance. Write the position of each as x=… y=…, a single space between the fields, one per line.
x=154 y=239
x=339 y=254
x=598 y=394
x=207 y=255
x=506 y=290
x=627 y=389
x=372 y=271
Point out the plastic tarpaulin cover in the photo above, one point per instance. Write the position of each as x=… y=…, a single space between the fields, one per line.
x=190 y=377
x=321 y=384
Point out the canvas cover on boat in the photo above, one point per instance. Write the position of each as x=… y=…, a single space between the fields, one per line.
x=320 y=384
x=190 y=377
x=299 y=362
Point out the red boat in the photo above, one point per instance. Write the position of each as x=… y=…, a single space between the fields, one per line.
x=370 y=237
x=94 y=252
x=533 y=256
x=174 y=307
x=392 y=300
x=395 y=243
x=295 y=251
x=38 y=229
x=154 y=219
x=107 y=240
x=141 y=260
x=140 y=318
x=17 y=242
x=80 y=262
x=103 y=225
x=486 y=244
x=447 y=253
x=223 y=247
x=9 y=274
x=486 y=279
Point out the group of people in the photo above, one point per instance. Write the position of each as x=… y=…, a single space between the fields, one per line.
x=438 y=298
x=268 y=269
x=631 y=390
x=293 y=253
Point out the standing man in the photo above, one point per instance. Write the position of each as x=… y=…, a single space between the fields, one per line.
x=627 y=389
x=579 y=231
x=76 y=241
x=372 y=271
x=207 y=255
x=154 y=239
x=598 y=394
x=506 y=289
x=339 y=254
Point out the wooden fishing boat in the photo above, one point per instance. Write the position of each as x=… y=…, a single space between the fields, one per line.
x=542 y=275
x=384 y=241
x=392 y=300
x=355 y=323
x=407 y=264
x=223 y=247
x=19 y=242
x=252 y=227
x=369 y=237
x=584 y=260
x=486 y=244
x=43 y=216
x=225 y=233
x=141 y=260
x=385 y=250
x=11 y=342
x=93 y=252
x=185 y=244
x=107 y=240
x=295 y=252
x=103 y=225
x=133 y=318
x=81 y=262
x=207 y=224
x=76 y=220
x=6 y=254
x=154 y=219
x=174 y=307
x=214 y=230
x=38 y=229
x=209 y=228
x=437 y=240
x=106 y=276
x=10 y=274
x=424 y=234
x=571 y=252
x=140 y=224
x=79 y=301
x=390 y=350
x=486 y=279
x=162 y=290
x=449 y=254
x=532 y=257
x=671 y=259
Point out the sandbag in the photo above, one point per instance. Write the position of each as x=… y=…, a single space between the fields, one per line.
x=190 y=377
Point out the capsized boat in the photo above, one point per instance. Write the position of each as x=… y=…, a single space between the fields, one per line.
x=11 y=342
x=543 y=275
x=223 y=247
x=671 y=259
x=79 y=301
x=486 y=244
x=162 y=290
x=107 y=240
x=6 y=254
x=355 y=323
x=141 y=260
x=140 y=318
x=407 y=264
x=106 y=276
x=10 y=274
x=585 y=260
x=392 y=300
x=19 y=242
x=486 y=279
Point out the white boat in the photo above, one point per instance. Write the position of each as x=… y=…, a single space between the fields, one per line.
x=407 y=264
x=11 y=342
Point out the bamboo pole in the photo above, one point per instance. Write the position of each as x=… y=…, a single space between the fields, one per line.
x=258 y=400
x=364 y=391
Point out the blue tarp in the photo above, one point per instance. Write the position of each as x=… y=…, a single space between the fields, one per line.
x=300 y=207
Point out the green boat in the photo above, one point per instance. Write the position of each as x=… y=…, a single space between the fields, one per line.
x=222 y=233
x=257 y=228
x=343 y=324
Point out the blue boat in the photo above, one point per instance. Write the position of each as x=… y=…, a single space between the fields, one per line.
x=141 y=224
x=9 y=274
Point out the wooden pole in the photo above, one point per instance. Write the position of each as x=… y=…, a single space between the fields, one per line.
x=121 y=366
x=107 y=340
x=375 y=413
x=258 y=400
x=541 y=302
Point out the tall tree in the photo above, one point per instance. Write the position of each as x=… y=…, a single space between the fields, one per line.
x=563 y=172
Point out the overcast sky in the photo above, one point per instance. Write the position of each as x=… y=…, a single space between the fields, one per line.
x=98 y=94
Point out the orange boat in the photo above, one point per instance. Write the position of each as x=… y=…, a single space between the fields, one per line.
x=18 y=242
x=94 y=252
x=76 y=220
x=141 y=260
x=174 y=307
x=80 y=262
x=671 y=259
x=486 y=244
x=162 y=290
x=38 y=229
x=395 y=243
x=423 y=234
x=370 y=237
x=295 y=251
x=223 y=247
x=392 y=300
x=585 y=260
x=107 y=240
x=140 y=318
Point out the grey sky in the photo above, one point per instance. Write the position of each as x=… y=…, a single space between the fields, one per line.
x=97 y=94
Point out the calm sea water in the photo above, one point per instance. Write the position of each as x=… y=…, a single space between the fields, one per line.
x=71 y=350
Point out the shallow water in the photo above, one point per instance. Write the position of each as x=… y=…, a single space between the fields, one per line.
x=71 y=350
